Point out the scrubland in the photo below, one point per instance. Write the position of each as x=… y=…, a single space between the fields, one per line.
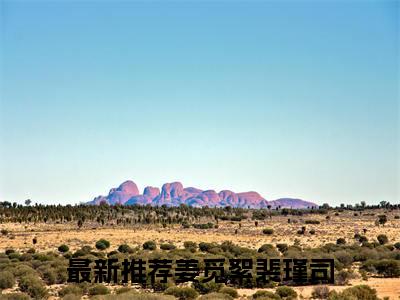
x=364 y=244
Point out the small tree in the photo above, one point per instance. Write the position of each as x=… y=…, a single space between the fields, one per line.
x=382 y=219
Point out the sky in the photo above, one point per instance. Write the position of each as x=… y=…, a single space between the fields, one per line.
x=286 y=98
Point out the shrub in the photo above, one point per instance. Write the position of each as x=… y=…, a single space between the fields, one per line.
x=268 y=231
x=98 y=289
x=33 y=286
x=215 y=296
x=206 y=247
x=344 y=257
x=149 y=245
x=7 y=280
x=385 y=267
x=343 y=277
x=340 y=241
x=265 y=295
x=71 y=297
x=320 y=292
x=182 y=293
x=4 y=231
x=397 y=245
x=191 y=246
x=312 y=231
x=70 y=289
x=9 y=251
x=63 y=248
x=265 y=248
x=382 y=239
x=49 y=275
x=124 y=248
x=204 y=226
x=167 y=246
x=316 y=222
x=360 y=292
x=282 y=247
x=123 y=290
x=102 y=244
x=286 y=292
x=15 y=296
x=207 y=287
x=229 y=291
x=382 y=219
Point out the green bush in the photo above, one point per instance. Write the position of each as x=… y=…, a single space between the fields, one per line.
x=340 y=241
x=268 y=231
x=208 y=247
x=124 y=248
x=316 y=222
x=15 y=296
x=208 y=225
x=191 y=246
x=182 y=293
x=70 y=289
x=102 y=244
x=384 y=267
x=33 y=286
x=282 y=247
x=167 y=246
x=63 y=248
x=71 y=297
x=149 y=245
x=343 y=277
x=207 y=287
x=124 y=290
x=320 y=292
x=229 y=291
x=382 y=239
x=49 y=276
x=397 y=245
x=265 y=295
x=98 y=289
x=265 y=248
x=215 y=296
x=286 y=292
x=7 y=280
x=359 y=292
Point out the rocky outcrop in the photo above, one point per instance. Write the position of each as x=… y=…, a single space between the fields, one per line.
x=174 y=194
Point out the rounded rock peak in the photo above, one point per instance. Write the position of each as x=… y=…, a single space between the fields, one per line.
x=151 y=191
x=173 y=189
x=129 y=187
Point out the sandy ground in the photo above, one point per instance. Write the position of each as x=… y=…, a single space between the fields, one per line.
x=50 y=236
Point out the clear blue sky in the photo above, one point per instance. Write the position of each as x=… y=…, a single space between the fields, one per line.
x=290 y=99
